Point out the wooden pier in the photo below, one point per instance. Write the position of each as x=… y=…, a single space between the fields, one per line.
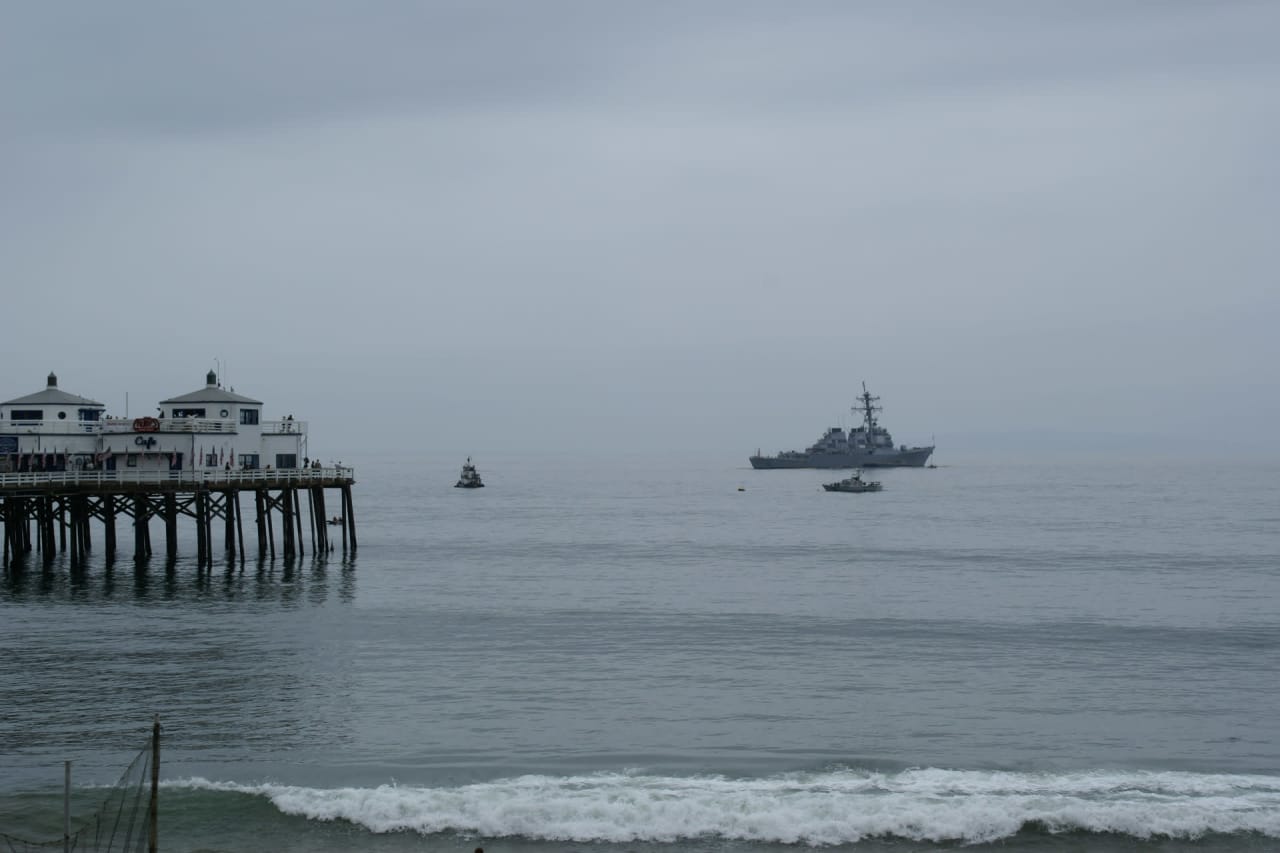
x=51 y=512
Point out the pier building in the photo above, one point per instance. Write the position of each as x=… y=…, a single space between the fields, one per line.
x=64 y=462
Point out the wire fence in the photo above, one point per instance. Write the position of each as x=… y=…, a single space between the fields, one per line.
x=120 y=823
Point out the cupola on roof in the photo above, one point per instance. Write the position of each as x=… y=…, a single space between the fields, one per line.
x=211 y=393
x=53 y=396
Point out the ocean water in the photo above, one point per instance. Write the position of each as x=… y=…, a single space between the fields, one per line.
x=672 y=655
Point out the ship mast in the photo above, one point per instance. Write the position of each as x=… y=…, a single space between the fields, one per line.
x=867 y=409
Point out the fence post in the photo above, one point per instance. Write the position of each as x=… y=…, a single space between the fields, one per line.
x=153 y=835
x=66 y=809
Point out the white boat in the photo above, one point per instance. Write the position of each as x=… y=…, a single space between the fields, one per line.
x=854 y=483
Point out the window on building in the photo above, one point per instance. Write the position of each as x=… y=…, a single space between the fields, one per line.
x=90 y=414
x=27 y=415
x=286 y=460
x=211 y=460
x=249 y=460
x=132 y=460
x=248 y=416
x=188 y=413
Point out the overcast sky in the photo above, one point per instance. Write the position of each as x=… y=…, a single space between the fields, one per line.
x=649 y=225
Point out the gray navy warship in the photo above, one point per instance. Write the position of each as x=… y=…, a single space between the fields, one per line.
x=866 y=446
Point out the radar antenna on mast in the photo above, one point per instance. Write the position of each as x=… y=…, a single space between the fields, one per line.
x=867 y=408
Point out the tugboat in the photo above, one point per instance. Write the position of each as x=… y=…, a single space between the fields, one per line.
x=853 y=484
x=469 y=479
x=866 y=446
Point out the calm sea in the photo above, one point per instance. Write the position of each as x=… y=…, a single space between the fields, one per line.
x=672 y=655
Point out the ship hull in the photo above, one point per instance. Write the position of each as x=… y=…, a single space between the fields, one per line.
x=912 y=457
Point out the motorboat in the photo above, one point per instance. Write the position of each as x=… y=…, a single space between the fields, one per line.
x=470 y=479
x=854 y=483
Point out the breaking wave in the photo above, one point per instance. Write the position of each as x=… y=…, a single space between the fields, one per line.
x=824 y=808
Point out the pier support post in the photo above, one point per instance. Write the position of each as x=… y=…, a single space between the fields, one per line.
x=311 y=515
x=109 y=526
x=286 y=513
x=297 y=518
x=48 y=542
x=170 y=525
x=141 y=516
x=76 y=554
x=229 y=524
x=235 y=499
x=208 y=528
x=263 y=521
x=59 y=507
x=202 y=543
x=322 y=517
x=86 y=527
x=349 y=514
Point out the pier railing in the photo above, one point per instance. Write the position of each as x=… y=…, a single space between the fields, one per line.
x=198 y=425
x=283 y=427
x=68 y=427
x=112 y=426
x=253 y=478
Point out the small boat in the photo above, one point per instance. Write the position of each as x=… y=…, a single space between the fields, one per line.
x=854 y=483
x=337 y=519
x=469 y=479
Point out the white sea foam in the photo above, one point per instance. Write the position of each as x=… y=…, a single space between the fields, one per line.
x=833 y=807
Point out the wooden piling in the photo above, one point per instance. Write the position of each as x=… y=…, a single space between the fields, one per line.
x=311 y=515
x=58 y=514
x=349 y=514
x=271 y=528
x=109 y=526
x=140 y=519
x=322 y=517
x=59 y=508
x=76 y=555
x=235 y=498
x=297 y=519
x=202 y=541
x=286 y=513
x=51 y=523
x=208 y=524
x=260 y=505
x=229 y=525
x=171 y=525
x=87 y=516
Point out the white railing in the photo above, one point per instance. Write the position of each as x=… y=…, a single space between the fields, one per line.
x=108 y=426
x=67 y=427
x=200 y=425
x=197 y=477
x=283 y=427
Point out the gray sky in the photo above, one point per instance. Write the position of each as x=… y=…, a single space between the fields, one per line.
x=622 y=224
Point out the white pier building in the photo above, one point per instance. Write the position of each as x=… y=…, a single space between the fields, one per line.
x=211 y=428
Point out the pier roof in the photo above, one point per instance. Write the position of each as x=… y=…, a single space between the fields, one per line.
x=52 y=395
x=211 y=393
